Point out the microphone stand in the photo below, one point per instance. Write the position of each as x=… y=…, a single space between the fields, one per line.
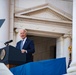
x=7 y=44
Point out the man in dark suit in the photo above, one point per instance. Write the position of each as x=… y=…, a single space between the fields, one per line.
x=26 y=45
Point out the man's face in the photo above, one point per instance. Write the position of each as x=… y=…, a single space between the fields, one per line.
x=22 y=34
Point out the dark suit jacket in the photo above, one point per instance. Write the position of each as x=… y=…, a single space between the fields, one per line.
x=29 y=46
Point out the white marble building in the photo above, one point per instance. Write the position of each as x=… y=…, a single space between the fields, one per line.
x=47 y=21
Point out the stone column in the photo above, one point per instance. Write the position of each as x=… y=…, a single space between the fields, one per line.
x=12 y=7
x=12 y=11
x=4 y=31
x=72 y=69
x=4 y=14
x=62 y=45
x=59 y=47
x=67 y=43
x=16 y=36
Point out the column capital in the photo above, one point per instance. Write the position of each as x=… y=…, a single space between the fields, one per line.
x=67 y=36
x=17 y=30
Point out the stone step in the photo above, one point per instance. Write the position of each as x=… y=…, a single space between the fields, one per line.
x=4 y=70
x=74 y=73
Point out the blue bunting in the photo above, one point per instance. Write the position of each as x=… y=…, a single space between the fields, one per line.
x=45 y=67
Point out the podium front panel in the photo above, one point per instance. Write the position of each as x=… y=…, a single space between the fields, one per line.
x=12 y=56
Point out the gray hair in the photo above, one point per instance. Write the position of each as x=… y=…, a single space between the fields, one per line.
x=23 y=30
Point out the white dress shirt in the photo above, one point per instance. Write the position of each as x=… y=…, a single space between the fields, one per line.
x=24 y=40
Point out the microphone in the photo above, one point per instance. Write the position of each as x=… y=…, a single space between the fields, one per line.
x=6 y=43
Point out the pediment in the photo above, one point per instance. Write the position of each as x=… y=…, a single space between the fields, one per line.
x=43 y=12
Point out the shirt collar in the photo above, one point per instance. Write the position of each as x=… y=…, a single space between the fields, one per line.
x=24 y=40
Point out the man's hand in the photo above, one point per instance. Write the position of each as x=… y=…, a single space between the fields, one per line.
x=23 y=51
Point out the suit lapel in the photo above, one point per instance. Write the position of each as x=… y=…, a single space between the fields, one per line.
x=19 y=45
x=25 y=44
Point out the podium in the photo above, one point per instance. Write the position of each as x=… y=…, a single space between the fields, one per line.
x=10 y=56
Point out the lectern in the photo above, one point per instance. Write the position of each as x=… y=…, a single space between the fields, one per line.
x=12 y=56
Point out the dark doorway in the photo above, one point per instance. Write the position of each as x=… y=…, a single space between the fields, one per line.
x=45 y=47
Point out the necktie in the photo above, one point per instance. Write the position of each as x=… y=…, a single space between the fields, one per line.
x=21 y=44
